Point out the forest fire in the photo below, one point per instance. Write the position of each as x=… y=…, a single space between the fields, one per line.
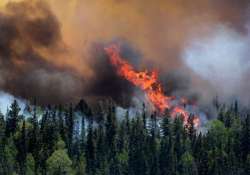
x=148 y=82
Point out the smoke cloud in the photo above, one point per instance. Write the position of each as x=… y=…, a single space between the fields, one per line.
x=53 y=49
x=30 y=44
x=221 y=59
x=7 y=99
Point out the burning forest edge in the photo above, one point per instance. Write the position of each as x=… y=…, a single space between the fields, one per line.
x=80 y=140
x=149 y=83
x=135 y=87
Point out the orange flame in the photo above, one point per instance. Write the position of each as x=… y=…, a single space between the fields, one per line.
x=149 y=83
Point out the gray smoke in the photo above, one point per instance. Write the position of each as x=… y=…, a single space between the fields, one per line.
x=221 y=61
x=201 y=48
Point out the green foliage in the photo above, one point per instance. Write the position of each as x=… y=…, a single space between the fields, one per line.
x=10 y=163
x=59 y=162
x=49 y=143
x=188 y=164
x=30 y=165
x=12 y=118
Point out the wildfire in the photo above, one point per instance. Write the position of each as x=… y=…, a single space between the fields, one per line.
x=148 y=82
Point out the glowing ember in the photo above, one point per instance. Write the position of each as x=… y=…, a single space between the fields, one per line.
x=149 y=83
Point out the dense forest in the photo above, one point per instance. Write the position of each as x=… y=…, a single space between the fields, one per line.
x=79 y=140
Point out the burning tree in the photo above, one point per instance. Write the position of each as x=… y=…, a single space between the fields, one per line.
x=149 y=83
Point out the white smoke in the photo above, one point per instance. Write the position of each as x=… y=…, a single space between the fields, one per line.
x=7 y=99
x=221 y=59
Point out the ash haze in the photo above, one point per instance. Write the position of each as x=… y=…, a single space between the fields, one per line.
x=222 y=59
x=53 y=49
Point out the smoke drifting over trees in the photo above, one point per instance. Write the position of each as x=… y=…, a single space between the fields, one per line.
x=46 y=47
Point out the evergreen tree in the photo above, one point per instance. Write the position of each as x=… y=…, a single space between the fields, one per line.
x=22 y=149
x=3 y=165
x=188 y=165
x=166 y=163
x=100 y=150
x=111 y=131
x=10 y=157
x=114 y=167
x=90 y=152
x=144 y=116
x=80 y=166
x=48 y=138
x=245 y=138
x=178 y=137
x=128 y=147
x=70 y=129
x=191 y=129
x=12 y=118
x=30 y=165
x=247 y=165
x=34 y=138
x=59 y=162
x=83 y=134
x=136 y=161
x=152 y=148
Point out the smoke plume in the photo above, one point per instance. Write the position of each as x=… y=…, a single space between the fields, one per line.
x=222 y=60
x=53 y=49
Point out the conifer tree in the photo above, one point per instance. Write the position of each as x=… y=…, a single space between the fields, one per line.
x=137 y=159
x=111 y=131
x=30 y=165
x=245 y=138
x=90 y=152
x=12 y=118
x=59 y=162
x=34 y=145
x=22 y=149
x=70 y=128
x=3 y=165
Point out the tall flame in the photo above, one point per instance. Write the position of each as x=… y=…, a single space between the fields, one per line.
x=148 y=82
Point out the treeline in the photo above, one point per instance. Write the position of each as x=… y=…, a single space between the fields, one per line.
x=80 y=141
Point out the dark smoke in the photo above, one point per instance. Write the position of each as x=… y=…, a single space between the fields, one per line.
x=27 y=32
x=106 y=82
x=26 y=69
x=34 y=47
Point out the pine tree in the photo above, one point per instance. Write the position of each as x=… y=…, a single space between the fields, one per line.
x=188 y=165
x=245 y=138
x=12 y=118
x=191 y=129
x=84 y=108
x=59 y=162
x=114 y=167
x=22 y=149
x=83 y=133
x=111 y=131
x=127 y=121
x=100 y=150
x=70 y=129
x=34 y=138
x=137 y=158
x=3 y=165
x=48 y=139
x=121 y=137
x=90 y=152
x=30 y=165
x=144 y=116
x=178 y=137
x=152 y=148
x=247 y=165
x=166 y=127
x=10 y=156
x=165 y=159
